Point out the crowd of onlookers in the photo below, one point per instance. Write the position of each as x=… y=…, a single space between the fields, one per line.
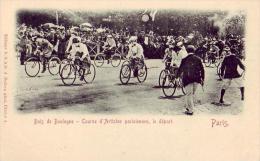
x=154 y=45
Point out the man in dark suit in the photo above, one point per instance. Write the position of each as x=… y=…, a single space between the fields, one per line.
x=230 y=74
x=192 y=72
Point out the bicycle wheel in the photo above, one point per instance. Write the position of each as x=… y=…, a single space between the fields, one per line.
x=90 y=74
x=142 y=73
x=68 y=74
x=168 y=87
x=99 y=60
x=32 y=67
x=116 y=60
x=179 y=85
x=125 y=74
x=62 y=64
x=162 y=77
x=54 y=65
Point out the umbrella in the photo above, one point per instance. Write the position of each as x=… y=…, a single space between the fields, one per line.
x=86 y=27
x=49 y=25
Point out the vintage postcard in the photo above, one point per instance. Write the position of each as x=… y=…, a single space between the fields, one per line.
x=129 y=80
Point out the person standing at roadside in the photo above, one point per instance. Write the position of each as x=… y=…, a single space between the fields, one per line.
x=192 y=73
x=230 y=74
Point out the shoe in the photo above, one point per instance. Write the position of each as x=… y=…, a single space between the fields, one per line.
x=224 y=103
x=188 y=113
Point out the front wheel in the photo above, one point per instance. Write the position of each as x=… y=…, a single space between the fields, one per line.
x=90 y=74
x=168 y=87
x=54 y=65
x=68 y=74
x=162 y=77
x=32 y=67
x=116 y=60
x=99 y=60
x=125 y=74
x=62 y=64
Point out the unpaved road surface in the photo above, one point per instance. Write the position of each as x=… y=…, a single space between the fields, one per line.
x=106 y=95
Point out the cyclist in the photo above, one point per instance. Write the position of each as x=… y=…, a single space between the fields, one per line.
x=213 y=52
x=135 y=53
x=167 y=59
x=73 y=35
x=80 y=55
x=172 y=59
x=109 y=47
x=180 y=49
x=45 y=49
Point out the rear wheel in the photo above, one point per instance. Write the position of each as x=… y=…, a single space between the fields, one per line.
x=142 y=73
x=178 y=85
x=32 y=67
x=99 y=60
x=54 y=65
x=125 y=74
x=116 y=60
x=68 y=74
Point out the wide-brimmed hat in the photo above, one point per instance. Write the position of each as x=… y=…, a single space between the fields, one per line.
x=226 y=48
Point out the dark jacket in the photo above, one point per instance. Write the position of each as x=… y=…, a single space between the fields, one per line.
x=229 y=67
x=191 y=70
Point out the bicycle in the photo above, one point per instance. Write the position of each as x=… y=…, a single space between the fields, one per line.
x=32 y=65
x=127 y=68
x=170 y=83
x=74 y=69
x=115 y=59
x=211 y=60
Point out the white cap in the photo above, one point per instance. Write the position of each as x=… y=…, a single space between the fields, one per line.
x=133 y=38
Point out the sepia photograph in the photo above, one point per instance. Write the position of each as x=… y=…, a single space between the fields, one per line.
x=136 y=61
x=121 y=80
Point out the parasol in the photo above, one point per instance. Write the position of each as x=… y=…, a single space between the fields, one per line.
x=86 y=27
